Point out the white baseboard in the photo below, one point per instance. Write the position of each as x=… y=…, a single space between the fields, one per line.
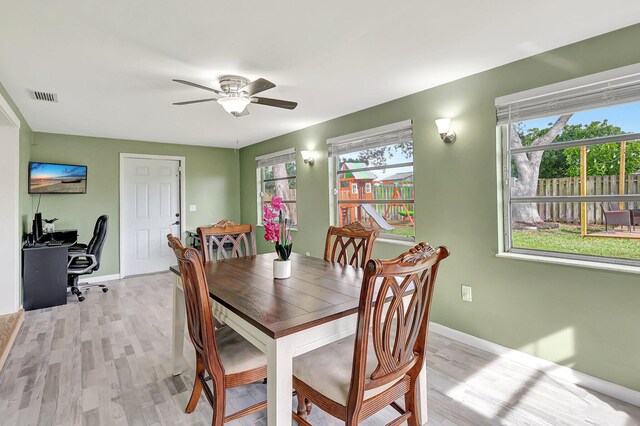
x=550 y=368
x=100 y=279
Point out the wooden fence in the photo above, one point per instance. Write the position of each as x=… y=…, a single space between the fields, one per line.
x=385 y=192
x=596 y=185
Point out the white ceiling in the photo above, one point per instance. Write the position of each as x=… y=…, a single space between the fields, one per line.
x=111 y=62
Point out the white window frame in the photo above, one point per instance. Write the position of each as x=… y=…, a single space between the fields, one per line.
x=596 y=91
x=361 y=138
x=367 y=188
x=262 y=161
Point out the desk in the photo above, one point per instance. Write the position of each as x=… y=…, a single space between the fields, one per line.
x=195 y=239
x=282 y=318
x=67 y=236
x=44 y=276
x=44 y=271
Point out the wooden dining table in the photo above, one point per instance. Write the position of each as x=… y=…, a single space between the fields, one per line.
x=283 y=318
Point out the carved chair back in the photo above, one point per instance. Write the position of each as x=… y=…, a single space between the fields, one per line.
x=393 y=316
x=198 y=309
x=349 y=245
x=226 y=239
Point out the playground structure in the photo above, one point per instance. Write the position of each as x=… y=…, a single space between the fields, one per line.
x=362 y=186
x=396 y=196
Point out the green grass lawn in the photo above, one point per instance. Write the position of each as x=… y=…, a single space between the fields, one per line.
x=567 y=239
x=405 y=231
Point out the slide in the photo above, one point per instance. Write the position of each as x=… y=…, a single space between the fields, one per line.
x=376 y=217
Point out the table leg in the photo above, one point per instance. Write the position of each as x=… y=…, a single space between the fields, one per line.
x=178 y=327
x=279 y=381
x=422 y=395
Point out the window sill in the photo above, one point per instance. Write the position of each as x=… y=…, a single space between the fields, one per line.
x=407 y=243
x=571 y=262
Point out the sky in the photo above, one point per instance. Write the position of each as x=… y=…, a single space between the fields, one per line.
x=47 y=171
x=626 y=116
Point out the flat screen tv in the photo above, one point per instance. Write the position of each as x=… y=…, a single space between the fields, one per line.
x=50 y=178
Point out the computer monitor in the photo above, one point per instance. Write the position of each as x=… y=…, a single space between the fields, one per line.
x=37 y=227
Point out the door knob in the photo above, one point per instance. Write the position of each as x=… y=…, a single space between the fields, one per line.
x=177 y=222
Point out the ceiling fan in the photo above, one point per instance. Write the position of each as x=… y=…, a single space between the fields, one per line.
x=237 y=92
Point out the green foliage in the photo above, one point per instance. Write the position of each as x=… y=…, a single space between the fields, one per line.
x=601 y=159
x=553 y=164
x=269 y=173
x=284 y=250
x=379 y=156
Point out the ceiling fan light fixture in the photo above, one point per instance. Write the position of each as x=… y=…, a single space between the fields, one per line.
x=233 y=104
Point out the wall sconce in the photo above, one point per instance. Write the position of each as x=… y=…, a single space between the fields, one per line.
x=307 y=156
x=446 y=134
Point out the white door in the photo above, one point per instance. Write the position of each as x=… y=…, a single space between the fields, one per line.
x=150 y=210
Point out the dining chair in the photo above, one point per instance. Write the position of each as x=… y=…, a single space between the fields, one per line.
x=349 y=245
x=227 y=239
x=226 y=357
x=357 y=376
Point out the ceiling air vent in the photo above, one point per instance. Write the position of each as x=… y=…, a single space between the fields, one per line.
x=44 y=96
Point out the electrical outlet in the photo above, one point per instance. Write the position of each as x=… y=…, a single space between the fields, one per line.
x=307 y=253
x=192 y=207
x=466 y=293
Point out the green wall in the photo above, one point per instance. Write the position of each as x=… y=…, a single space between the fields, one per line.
x=212 y=184
x=583 y=318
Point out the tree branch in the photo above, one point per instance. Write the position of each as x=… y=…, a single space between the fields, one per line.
x=553 y=132
x=515 y=137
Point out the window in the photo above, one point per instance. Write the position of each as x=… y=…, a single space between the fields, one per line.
x=571 y=172
x=372 y=173
x=277 y=177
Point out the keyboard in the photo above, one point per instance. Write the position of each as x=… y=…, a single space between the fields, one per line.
x=54 y=242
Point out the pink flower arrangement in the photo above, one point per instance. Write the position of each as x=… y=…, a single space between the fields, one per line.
x=277 y=231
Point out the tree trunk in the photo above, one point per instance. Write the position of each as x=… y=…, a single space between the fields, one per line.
x=528 y=167
x=283 y=190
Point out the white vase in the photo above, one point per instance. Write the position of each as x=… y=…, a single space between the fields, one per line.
x=281 y=268
x=48 y=228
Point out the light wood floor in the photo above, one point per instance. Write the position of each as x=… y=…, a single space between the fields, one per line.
x=106 y=361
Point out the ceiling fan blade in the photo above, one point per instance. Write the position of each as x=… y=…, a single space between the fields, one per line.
x=195 y=102
x=199 y=86
x=278 y=103
x=240 y=114
x=257 y=86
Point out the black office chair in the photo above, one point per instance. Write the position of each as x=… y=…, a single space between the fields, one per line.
x=84 y=260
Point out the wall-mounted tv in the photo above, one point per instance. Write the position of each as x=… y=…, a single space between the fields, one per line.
x=50 y=178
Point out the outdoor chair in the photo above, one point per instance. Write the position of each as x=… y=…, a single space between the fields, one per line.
x=613 y=216
x=635 y=214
